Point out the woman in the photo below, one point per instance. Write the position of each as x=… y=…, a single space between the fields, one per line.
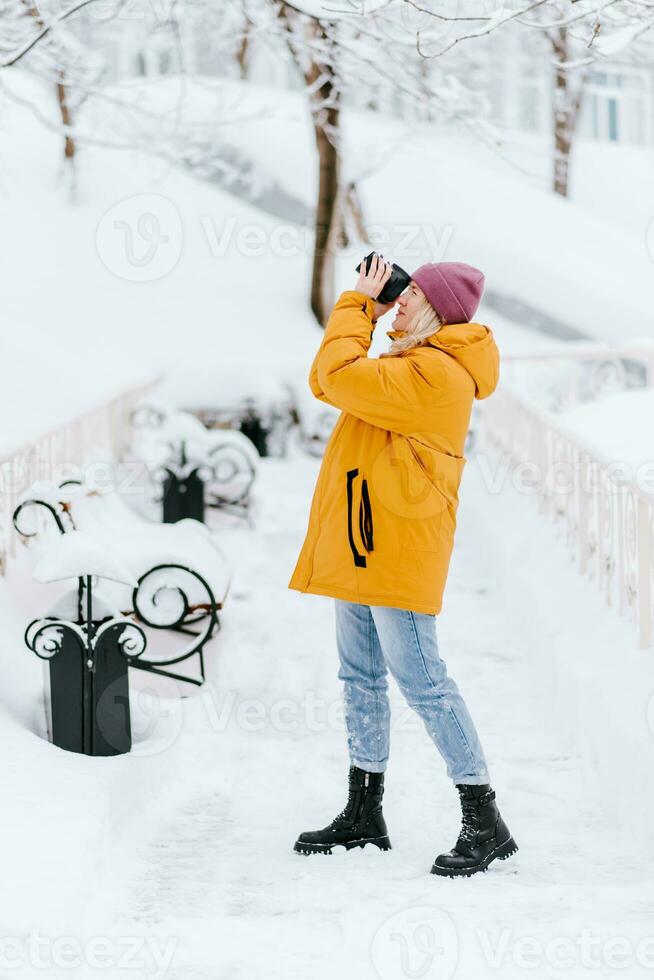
x=380 y=536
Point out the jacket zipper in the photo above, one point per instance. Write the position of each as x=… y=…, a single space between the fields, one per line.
x=359 y=560
x=365 y=519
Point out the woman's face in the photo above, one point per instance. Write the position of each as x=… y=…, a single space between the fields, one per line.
x=408 y=303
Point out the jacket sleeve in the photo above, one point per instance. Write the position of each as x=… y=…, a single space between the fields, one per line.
x=387 y=392
x=314 y=384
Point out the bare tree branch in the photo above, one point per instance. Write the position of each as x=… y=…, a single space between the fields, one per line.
x=46 y=29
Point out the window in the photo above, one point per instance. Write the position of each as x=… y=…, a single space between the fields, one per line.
x=617 y=107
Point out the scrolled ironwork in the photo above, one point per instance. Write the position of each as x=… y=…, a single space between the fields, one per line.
x=183 y=611
x=129 y=637
x=231 y=474
x=35 y=502
x=147 y=417
x=45 y=637
x=607 y=377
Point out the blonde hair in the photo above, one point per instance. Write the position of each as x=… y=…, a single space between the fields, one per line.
x=426 y=321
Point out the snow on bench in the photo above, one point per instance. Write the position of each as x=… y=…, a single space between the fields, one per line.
x=171 y=441
x=181 y=575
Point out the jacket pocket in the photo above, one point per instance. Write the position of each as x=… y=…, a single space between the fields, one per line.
x=365 y=519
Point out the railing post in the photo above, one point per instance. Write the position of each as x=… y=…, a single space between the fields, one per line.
x=644 y=511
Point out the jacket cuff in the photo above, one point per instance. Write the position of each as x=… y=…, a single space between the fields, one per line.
x=366 y=302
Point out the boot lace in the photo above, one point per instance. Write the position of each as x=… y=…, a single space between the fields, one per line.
x=470 y=820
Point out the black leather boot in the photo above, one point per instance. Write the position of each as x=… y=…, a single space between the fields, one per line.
x=360 y=823
x=484 y=835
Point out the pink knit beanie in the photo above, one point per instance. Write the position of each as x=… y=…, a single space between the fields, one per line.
x=454 y=289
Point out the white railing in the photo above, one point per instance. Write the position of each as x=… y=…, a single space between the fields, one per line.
x=567 y=374
x=102 y=432
x=607 y=521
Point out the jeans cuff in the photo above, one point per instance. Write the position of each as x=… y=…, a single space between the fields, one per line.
x=368 y=766
x=478 y=780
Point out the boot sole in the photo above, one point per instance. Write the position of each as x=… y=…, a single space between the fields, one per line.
x=301 y=847
x=501 y=852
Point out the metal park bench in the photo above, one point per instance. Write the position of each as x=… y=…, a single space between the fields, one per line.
x=181 y=576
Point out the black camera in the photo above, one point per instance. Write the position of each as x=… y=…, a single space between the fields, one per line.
x=397 y=283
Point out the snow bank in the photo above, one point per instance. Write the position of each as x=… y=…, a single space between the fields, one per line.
x=619 y=428
x=219 y=317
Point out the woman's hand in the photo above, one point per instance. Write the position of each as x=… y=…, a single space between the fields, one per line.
x=373 y=282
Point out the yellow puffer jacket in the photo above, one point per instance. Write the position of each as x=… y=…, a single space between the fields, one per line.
x=383 y=514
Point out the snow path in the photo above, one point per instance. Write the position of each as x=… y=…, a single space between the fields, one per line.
x=216 y=875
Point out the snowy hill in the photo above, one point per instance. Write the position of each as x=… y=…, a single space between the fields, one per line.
x=228 y=286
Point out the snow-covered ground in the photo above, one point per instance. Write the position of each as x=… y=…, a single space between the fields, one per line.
x=185 y=846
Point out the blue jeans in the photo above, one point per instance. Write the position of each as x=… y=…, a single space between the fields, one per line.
x=373 y=639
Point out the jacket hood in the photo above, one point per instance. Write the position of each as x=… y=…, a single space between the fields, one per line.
x=474 y=347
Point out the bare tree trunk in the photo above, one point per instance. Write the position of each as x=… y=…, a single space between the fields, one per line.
x=64 y=110
x=324 y=100
x=60 y=90
x=566 y=107
x=242 y=50
x=562 y=135
x=326 y=125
